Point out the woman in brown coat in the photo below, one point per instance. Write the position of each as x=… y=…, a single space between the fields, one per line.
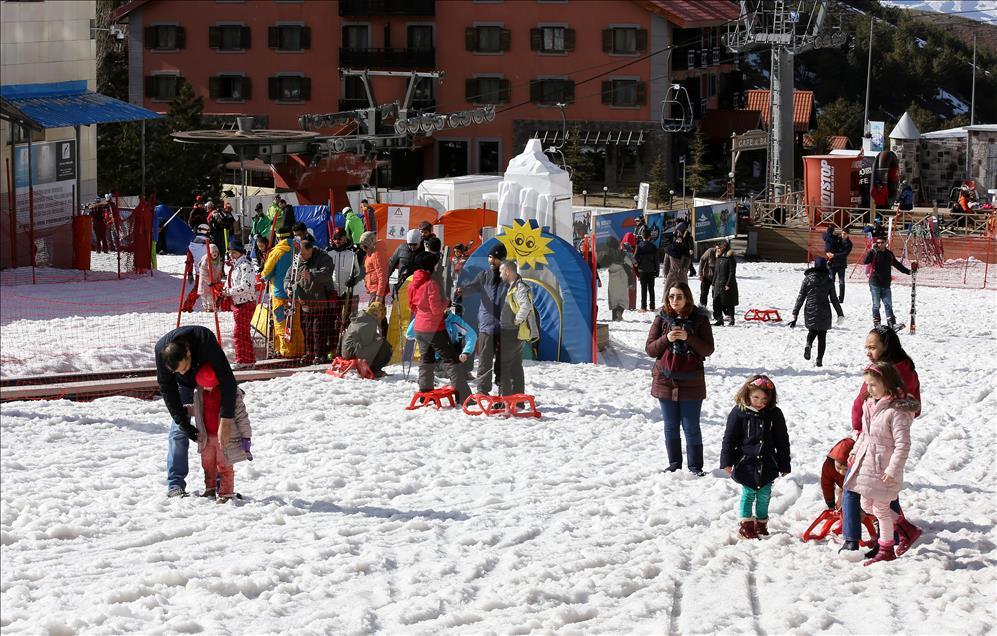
x=679 y=340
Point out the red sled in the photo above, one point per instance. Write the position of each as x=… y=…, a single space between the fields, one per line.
x=341 y=366
x=762 y=315
x=434 y=397
x=517 y=405
x=830 y=521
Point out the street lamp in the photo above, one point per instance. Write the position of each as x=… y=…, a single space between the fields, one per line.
x=605 y=193
x=585 y=197
x=682 y=161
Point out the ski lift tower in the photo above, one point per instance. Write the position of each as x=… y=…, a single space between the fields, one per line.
x=787 y=28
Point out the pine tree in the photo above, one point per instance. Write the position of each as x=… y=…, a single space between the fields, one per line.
x=190 y=169
x=657 y=180
x=696 y=169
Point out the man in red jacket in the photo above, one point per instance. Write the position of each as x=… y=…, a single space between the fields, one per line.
x=427 y=305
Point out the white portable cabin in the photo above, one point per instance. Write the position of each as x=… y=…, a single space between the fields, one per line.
x=457 y=193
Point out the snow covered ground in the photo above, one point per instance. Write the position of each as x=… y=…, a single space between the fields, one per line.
x=362 y=517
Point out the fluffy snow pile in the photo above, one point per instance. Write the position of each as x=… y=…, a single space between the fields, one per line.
x=361 y=517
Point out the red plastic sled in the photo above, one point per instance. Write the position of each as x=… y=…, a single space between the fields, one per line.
x=830 y=521
x=517 y=405
x=434 y=397
x=762 y=315
x=340 y=367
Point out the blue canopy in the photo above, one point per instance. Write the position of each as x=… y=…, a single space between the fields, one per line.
x=177 y=235
x=316 y=217
x=61 y=104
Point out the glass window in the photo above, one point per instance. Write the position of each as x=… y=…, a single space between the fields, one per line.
x=489 y=158
x=624 y=92
x=489 y=39
x=290 y=38
x=624 y=40
x=353 y=88
x=420 y=37
x=356 y=36
x=166 y=38
x=231 y=87
x=166 y=86
x=423 y=90
x=552 y=91
x=231 y=38
x=453 y=158
x=290 y=88
x=553 y=39
x=489 y=90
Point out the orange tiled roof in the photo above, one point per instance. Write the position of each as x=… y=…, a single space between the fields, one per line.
x=803 y=107
x=693 y=14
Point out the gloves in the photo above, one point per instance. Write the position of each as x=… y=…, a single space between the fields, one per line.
x=792 y=323
x=189 y=430
x=246 y=444
x=841 y=320
x=351 y=281
x=830 y=505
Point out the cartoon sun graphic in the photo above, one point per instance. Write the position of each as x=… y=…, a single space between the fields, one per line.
x=525 y=244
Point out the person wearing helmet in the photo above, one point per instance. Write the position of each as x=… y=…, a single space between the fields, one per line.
x=353 y=224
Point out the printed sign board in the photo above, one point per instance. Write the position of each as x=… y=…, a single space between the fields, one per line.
x=53 y=175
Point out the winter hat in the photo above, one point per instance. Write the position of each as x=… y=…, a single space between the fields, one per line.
x=376 y=310
x=236 y=245
x=820 y=262
x=339 y=234
x=426 y=261
x=346 y=209
x=413 y=237
x=205 y=377
x=498 y=252
x=681 y=227
x=367 y=240
x=434 y=245
x=284 y=232
x=203 y=228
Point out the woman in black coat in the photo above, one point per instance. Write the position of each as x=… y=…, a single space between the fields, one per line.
x=724 y=284
x=818 y=292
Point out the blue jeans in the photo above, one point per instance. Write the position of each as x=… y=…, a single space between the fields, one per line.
x=851 y=515
x=686 y=414
x=176 y=458
x=881 y=294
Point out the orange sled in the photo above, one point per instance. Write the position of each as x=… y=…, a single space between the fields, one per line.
x=517 y=405
x=341 y=366
x=762 y=315
x=830 y=521
x=434 y=397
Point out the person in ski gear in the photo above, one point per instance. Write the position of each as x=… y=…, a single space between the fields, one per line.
x=678 y=256
x=196 y=250
x=353 y=224
x=906 y=199
x=217 y=457
x=179 y=354
x=881 y=450
x=97 y=210
x=403 y=259
x=648 y=266
x=313 y=286
x=707 y=271
x=240 y=287
x=724 y=284
x=679 y=340
x=260 y=251
x=882 y=344
x=837 y=247
x=619 y=264
x=211 y=271
x=493 y=290
x=461 y=335
x=368 y=216
x=876 y=230
x=288 y=215
x=832 y=473
x=518 y=324
x=375 y=278
x=274 y=271
x=428 y=306
x=221 y=221
x=817 y=291
x=365 y=341
x=302 y=231
x=346 y=277
x=755 y=451
x=198 y=214
x=882 y=261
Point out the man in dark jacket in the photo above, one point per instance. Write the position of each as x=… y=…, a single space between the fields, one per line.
x=646 y=256
x=179 y=354
x=493 y=298
x=883 y=261
x=404 y=258
x=364 y=341
x=837 y=247
x=312 y=291
x=724 y=284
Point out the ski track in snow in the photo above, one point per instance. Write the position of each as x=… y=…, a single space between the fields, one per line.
x=364 y=518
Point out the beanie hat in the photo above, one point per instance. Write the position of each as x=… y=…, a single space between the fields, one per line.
x=413 y=237
x=820 y=262
x=425 y=261
x=203 y=228
x=498 y=251
x=434 y=245
x=367 y=239
x=205 y=377
x=284 y=232
x=681 y=227
x=236 y=245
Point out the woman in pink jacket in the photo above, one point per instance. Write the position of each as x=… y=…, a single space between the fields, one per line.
x=427 y=305
x=880 y=454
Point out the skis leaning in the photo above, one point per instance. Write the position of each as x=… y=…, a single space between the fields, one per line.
x=289 y=317
x=913 y=296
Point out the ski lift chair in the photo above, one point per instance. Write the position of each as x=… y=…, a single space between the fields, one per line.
x=676 y=99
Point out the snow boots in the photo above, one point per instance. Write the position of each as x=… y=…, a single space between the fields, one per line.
x=849 y=546
x=674 y=449
x=909 y=533
x=747 y=529
x=806 y=352
x=883 y=553
x=762 y=527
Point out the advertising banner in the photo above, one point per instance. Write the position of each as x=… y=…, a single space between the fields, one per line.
x=580 y=224
x=878 y=131
x=715 y=221
x=53 y=175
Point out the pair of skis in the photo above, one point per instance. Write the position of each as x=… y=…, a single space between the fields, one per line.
x=289 y=315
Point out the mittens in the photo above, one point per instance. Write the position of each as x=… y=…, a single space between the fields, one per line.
x=246 y=444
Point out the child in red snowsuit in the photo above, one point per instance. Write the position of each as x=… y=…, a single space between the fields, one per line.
x=216 y=459
x=832 y=473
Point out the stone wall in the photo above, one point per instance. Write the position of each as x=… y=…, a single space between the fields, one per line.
x=983 y=160
x=942 y=165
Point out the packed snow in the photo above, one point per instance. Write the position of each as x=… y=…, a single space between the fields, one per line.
x=361 y=517
x=980 y=10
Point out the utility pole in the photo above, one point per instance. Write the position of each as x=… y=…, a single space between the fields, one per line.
x=972 y=98
x=787 y=32
x=868 y=76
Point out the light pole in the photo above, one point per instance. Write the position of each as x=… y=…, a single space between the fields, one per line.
x=682 y=161
x=605 y=193
x=671 y=199
x=585 y=197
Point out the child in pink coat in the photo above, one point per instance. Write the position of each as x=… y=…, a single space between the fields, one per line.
x=880 y=453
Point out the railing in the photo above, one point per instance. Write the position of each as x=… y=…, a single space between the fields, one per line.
x=357 y=8
x=395 y=58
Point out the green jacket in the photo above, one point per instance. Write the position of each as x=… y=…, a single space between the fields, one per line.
x=354 y=226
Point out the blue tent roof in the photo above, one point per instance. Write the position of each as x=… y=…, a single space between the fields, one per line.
x=62 y=104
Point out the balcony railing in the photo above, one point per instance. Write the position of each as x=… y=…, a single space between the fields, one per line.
x=393 y=58
x=360 y=8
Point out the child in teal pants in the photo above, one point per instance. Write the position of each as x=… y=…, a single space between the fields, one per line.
x=755 y=451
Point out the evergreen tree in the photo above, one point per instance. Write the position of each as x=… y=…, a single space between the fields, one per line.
x=657 y=179
x=188 y=169
x=696 y=168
